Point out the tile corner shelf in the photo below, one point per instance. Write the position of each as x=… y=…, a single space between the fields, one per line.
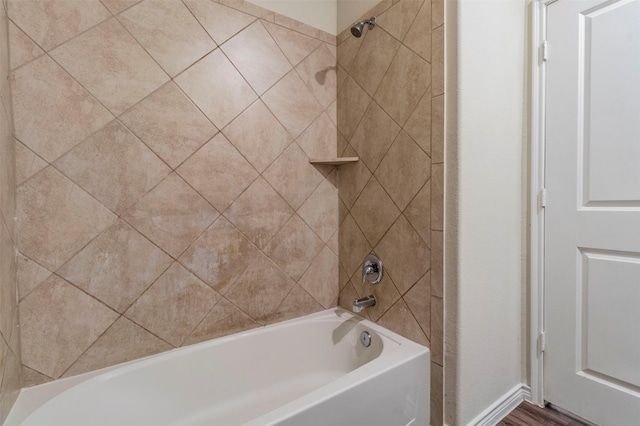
x=335 y=161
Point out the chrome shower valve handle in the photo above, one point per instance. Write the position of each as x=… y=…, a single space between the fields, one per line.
x=372 y=270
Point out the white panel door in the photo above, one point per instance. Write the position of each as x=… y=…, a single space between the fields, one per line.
x=592 y=231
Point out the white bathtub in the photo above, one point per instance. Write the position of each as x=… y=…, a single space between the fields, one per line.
x=308 y=371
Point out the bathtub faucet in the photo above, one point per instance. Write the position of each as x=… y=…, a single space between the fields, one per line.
x=364 y=302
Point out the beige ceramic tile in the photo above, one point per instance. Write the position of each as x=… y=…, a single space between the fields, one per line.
x=437 y=13
x=170 y=124
x=217 y=88
x=220 y=255
x=293 y=177
x=218 y=172
x=406 y=257
x=353 y=246
x=418 y=299
x=400 y=320
x=122 y=342
x=418 y=212
x=56 y=218
x=437 y=390
x=352 y=104
x=373 y=59
x=419 y=124
x=294 y=247
x=174 y=305
x=404 y=170
x=404 y=84
x=398 y=18
x=318 y=71
x=374 y=212
x=352 y=178
x=418 y=38
x=321 y=279
x=319 y=140
x=437 y=198
x=50 y=125
x=374 y=136
x=27 y=163
x=254 y=46
x=117 y=6
x=29 y=275
x=250 y=8
x=437 y=258
x=294 y=45
x=437 y=317
x=258 y=135
x=298 y=303
x=168 y=32
x=437 y=60
x=292 y=103
x=54 y=326
x=33 y=378
x=113 y=166
x=260 y=289
x=385 y=292
x=437 y=129
x=111 y=65
x=50 y=23
x=221 y=22
x=320 y=211
x=116 y=267
x=224 y=319
x=259 y=212
x=172 y=215
x=22 y=48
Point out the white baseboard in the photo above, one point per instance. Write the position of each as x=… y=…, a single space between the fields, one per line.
x=503 y=406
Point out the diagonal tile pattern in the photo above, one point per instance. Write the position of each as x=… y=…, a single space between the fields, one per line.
x=390 y=113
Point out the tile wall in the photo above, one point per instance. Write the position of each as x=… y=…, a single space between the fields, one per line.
x=10 y=369
x=390 y=114
x=164 y=191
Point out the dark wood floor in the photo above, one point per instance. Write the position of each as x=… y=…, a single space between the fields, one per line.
x=531 y=415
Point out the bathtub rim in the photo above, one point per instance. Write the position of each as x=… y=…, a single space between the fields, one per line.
x=32 y=398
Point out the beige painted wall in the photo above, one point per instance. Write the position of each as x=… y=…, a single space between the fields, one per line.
x=9 y=332
x=164 y=199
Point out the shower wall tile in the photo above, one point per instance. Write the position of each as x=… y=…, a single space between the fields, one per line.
x=174 y=305
x=54 y=326
x=109 y=62
x=172 y=215
x=113 y=166
x=51 y=125
x=118 y=278
x=170 y=124
x=263 y=141
x=160 y=183
x=218 y=172
x=221 y=22
x=220 y=255
x=390 y=115
x=10 y=351
x=253 y=45
x=51 y=23
x=23 y=49
x=217 y=88
x=56 y=218
x=122 y=342
x=292 y=103
x=294 y=45
x=168 y=32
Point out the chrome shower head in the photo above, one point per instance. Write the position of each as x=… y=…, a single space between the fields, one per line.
x=358 y=27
